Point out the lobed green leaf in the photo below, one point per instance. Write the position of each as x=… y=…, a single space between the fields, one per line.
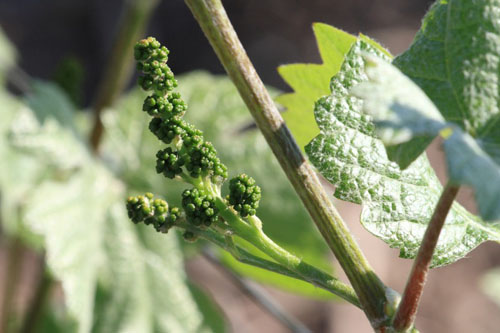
x=310 y=81
x=397 y=204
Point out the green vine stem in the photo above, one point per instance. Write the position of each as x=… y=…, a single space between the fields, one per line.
x=407 y=309
x=120 y=63
x=214 y=22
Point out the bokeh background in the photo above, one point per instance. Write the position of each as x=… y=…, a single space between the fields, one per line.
x=274 y=32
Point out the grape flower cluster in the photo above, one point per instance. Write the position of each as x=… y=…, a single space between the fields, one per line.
x=187 y=157
x=244 y=195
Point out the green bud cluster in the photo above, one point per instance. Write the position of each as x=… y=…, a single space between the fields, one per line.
x=244 y=195
x=152 y=62
x=169 y=163
x=198 y=156
x=188 y=155
x=147 y=209
x=168 y=130
x=203 y=160
x=199 y=207
x=170 y=106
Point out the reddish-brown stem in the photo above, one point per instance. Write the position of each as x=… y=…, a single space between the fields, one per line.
x=407 y=309
x=41 y=293
x=15 y=253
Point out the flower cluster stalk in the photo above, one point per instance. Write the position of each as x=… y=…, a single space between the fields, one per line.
x=407 y=309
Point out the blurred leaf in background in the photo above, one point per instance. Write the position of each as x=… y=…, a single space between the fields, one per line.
x=490 y=285
x=55 y=195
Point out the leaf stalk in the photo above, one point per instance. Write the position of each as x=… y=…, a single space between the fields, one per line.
x=407 y=309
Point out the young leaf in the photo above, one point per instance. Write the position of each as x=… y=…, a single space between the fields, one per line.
x=310 y=81
x=454 y=59
x=18 y=174
x=143 y=284
x=397 y=205
x=70 y=216
x=401 y=110
x=91 y=244
x=48 y=101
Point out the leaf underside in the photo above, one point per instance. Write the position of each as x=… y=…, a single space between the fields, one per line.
x=455 y=61
x=397 y=204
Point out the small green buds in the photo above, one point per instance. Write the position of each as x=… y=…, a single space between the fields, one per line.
x=202 y=159
x=199 y=207
x=189 y=237
x=144 y=208
x=168 y=130
x=150 y=48
x=244 y=195
x=194 y=153
x=171 y=106
x=169 y=163
x=188 y=155
x=152 y=62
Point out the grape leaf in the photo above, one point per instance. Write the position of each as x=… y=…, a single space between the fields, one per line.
x=90 y=240
x=72 y=225
x=310 y=81
x=454 y=59
x=18 y=174
x=145 y=273
x=397 y=204
x=48 y=101
x=216 y=107
x=403 y=111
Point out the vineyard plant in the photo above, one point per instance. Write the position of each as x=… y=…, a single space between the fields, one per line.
x=114 y=199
